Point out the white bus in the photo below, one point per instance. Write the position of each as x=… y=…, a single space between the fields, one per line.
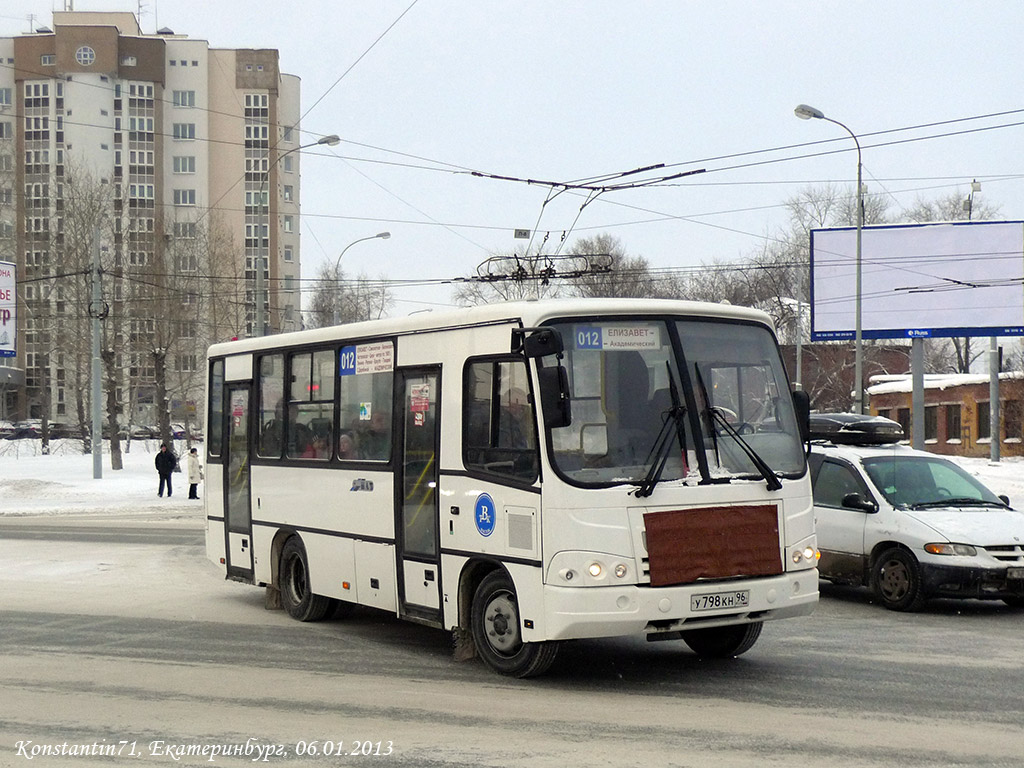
x=520 y=474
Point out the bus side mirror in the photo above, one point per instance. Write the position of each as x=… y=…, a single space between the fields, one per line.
x=536 y=342
x=554 y=396
x=802 y=407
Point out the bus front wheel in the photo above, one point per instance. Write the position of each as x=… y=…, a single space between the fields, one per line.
x=723 y=642
x=496 y=631
x=296 y=596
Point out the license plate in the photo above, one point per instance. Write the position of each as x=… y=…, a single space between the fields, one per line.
x=720 y=600
x=1015 y=573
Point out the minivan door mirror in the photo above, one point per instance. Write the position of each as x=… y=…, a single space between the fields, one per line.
x=856 y=501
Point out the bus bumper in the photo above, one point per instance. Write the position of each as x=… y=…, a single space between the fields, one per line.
x=581 y=612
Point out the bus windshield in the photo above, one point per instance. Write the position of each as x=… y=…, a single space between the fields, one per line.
x=696 y=400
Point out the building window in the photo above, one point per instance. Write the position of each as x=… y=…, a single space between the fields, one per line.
x=5 y=97
x=288 y=191
x=287 y=253
x=129 y=61
x=952 y=423
x=984 y=430
x=931 y=422
x=48 y=60
x=184 y=98
x=85 y=56
x=184 y=131
x=185 y=230
x=6 y=131
x=184 y=164
x=1012 y=421
x=903 y=417
x=287 y=223
x=287 y=163
x=184 y=197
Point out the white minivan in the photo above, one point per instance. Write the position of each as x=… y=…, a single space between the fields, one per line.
x=909 y=524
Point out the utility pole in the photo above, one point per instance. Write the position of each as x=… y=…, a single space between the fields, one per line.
x=96 y=313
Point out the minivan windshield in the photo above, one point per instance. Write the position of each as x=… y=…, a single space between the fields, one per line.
x=920 y=482
x=701 y=400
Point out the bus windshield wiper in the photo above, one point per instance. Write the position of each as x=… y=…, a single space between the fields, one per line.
x=760 y=464
x=670 y=429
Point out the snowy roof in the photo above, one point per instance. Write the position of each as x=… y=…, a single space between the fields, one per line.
x=886 y=384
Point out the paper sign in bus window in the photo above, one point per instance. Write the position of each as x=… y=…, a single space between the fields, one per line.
x=366 y=358
x=618 y=336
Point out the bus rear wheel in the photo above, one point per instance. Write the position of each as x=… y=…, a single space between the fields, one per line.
x=496 y=631
x=296 y=596
x=723 y=642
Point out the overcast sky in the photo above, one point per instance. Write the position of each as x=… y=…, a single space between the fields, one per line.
x=424 y=91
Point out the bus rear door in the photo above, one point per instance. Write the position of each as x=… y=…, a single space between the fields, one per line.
x=237 y=504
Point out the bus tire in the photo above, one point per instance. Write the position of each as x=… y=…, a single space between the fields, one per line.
x=495 y=624
x=723 y=642
x=296 y=597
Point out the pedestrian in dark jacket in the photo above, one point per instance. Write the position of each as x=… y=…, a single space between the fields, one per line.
x=165 y=463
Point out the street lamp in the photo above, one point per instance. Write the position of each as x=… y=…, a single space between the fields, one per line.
x=261 y=264
x=805 y=112
x=337 y=267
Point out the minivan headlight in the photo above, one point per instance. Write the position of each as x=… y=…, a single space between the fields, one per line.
x=944 y=548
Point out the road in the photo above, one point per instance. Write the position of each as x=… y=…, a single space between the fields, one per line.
x=118 y=633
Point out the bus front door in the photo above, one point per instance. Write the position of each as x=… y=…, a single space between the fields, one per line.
x=237 y=509
x=417 y=506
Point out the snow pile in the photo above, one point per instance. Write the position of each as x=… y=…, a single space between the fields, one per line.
x=62 y=483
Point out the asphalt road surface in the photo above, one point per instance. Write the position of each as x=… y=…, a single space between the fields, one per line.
x=121 y=645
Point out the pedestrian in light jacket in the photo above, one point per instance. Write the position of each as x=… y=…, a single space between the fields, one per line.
x=195 y=474
x=165 y=462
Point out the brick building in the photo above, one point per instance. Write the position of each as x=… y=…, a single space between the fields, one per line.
x=957 y=415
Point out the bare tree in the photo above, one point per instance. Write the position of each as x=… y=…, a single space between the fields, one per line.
x=337 y=299
x=612 y=273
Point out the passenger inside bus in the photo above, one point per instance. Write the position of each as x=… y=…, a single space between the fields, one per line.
x=373 y=438
x=346 y=446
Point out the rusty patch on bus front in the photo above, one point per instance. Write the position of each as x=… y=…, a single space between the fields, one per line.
x=712 y=543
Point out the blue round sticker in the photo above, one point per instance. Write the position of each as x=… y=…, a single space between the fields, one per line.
x=483 y=513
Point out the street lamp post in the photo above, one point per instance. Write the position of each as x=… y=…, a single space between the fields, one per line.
x=261 y=262
x=805 y=112
x=337 y=267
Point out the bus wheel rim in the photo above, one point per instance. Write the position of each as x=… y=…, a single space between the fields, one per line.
x=501 y=624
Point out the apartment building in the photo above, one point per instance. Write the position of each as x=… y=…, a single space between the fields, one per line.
x=165 y=152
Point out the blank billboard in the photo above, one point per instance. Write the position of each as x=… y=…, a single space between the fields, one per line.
x=919 y=280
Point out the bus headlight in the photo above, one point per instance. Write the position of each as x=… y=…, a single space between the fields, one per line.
x=804 y=555
x=590 y=569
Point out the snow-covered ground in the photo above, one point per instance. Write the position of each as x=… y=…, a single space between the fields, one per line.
x=63 y=483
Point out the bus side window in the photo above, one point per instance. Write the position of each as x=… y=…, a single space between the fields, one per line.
x=499 y=433
x=216 y=418
x=311 y=406
x=366 y=401
x=271 y=406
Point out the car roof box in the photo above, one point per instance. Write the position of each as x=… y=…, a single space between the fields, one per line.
x=855 y=429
